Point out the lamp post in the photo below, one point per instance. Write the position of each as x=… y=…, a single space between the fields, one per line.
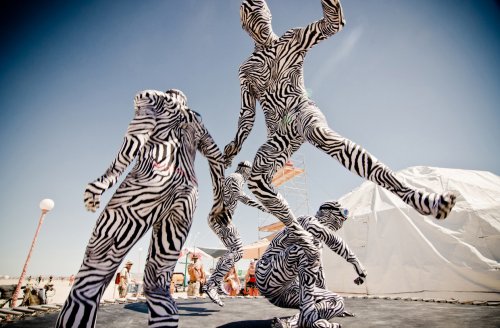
x=45 y=205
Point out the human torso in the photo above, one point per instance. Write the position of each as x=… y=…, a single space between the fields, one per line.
x=276 y=78
x=195 y=272
x=171 y=150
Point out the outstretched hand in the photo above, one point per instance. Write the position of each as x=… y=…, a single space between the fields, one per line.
x=361 y=278
x=230 y=152
x=92 y=195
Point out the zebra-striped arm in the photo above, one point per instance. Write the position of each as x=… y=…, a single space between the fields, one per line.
x=138 y=133
x=245 y=199
x=336 y=244
x=331 y=23
x=245 y=121
x=209 y=149
x=333 y=17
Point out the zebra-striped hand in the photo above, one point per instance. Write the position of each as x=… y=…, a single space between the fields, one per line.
x=92 y=195
x=360 y=270
x=230 y=151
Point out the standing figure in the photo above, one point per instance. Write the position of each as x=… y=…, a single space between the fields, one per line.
x=292 y=276
x=250 y=280
x=227 y=232
x=125 y=279
x=160 y=192
x=197 y=277
x=273 y=75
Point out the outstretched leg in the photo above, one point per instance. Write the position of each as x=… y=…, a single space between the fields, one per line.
x=270 y=157
x=230 y=237
x=313 y=126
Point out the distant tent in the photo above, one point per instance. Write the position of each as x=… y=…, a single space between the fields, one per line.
x=405 y=252
x=250 y=251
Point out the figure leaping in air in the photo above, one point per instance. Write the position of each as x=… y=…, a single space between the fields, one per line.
x=273 y=75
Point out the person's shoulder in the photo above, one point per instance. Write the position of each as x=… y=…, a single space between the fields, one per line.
x=305 y=219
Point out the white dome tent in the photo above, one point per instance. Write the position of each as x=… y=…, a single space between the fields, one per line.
x=407 y=253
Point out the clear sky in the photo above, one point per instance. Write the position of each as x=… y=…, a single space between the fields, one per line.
x=414 y=82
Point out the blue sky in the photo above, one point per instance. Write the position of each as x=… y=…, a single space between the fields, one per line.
x=414 y=82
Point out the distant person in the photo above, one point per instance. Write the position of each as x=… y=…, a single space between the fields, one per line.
x=39 y=281
x=125 y=279
x=49 y=289
x=71 y=280
x=160 y=192
x=250 y=280
x=232 y=282
x=197 y=277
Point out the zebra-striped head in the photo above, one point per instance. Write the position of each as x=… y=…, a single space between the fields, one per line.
x=149 y=100
x=175 y=99
x=332 y=214
x=244 y=168
x=256 y=20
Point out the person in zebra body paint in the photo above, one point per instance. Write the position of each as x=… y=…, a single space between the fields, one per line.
x=292 y=276
x=273 y=75
x=227 y=232
x=160 y=192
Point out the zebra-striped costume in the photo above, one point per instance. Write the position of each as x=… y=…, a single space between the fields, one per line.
x=161 y=192
x=292 y=276
x=273 y=75
x=227 y=232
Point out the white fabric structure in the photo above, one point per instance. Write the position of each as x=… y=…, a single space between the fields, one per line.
x=250 y=251
x=405 y=252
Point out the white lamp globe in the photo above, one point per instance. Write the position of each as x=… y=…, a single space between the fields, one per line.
x=46 y=204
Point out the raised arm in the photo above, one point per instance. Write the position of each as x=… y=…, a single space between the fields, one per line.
x=245 y=121
x=138 y=133
x=337 y=244
x=331 y=23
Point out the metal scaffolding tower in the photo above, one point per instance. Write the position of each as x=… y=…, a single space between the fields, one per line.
x=291 y=182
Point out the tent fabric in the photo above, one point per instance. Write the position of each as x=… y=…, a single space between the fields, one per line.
x=405 y=252
x=250 y=251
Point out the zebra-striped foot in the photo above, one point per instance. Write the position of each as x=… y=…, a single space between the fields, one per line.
x=279 y=323
x=322 y=323
x=211 y=291
x=291 y=323
x=436 y=205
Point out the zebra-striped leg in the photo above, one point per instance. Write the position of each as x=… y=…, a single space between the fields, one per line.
x=169 y=234
x=230 y=237
x=308 y=271
x=313 y=126
x=117 y=230
x=277 y=280
x=270 y=157
x=328 y=303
